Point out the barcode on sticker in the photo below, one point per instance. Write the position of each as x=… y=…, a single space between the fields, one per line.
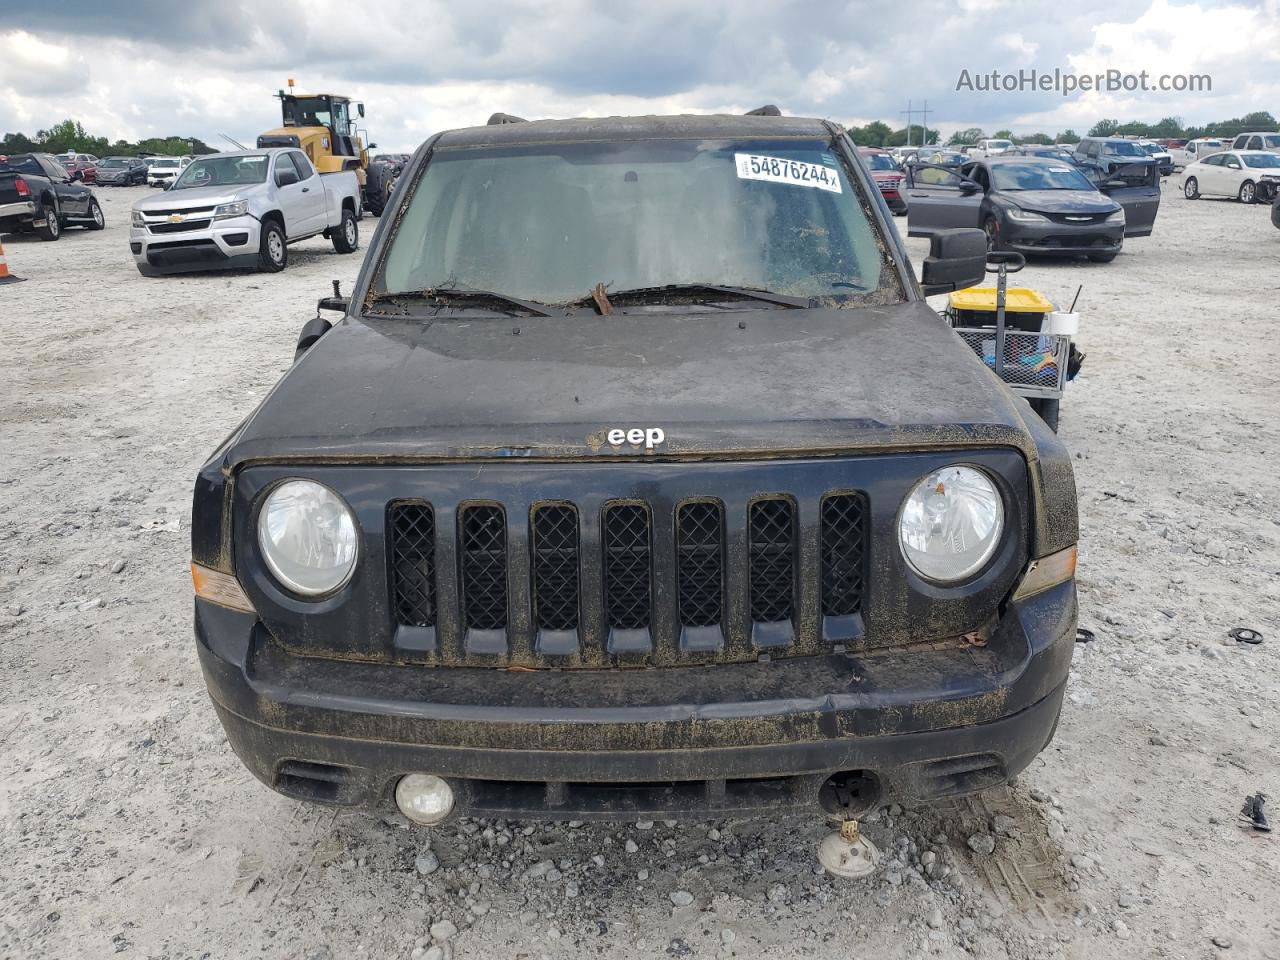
x=781 y=170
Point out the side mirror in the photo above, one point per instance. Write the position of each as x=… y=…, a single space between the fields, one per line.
x=313 y=330
x=285 y=178
x=76 y=175
x=372 y=146
x=969 y=187
x=360 y=109
x=957 y=259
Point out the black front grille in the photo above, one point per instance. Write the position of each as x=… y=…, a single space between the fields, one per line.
x=620 y=582
x=555 y=567
x=700 y=562
x=178 y=227
x=484 y=567
x=413 y=563
x=773 y=555
x=844 y=538
x=1083 y=219
x=627 y=567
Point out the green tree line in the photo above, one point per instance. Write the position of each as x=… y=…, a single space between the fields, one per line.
x=70 y=135
x=878 y=134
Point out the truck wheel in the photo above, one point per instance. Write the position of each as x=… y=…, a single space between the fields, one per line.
x=51 y=229
x=1248 y=192
x=1191 y=189
x=96 y=220
x=1047 y=410
x=273 y=251
x=346 y=239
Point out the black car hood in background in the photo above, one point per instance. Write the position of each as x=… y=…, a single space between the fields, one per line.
x=773 y=382
x=1061 y=201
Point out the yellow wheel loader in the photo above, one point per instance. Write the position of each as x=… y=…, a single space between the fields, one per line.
x=323 y=127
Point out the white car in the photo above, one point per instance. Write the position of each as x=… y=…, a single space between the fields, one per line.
x=162 y=170
x=243 y=209
x=1246 y=175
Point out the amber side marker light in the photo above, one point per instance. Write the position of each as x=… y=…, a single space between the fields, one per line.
x=220 y=588
x=1047 y=572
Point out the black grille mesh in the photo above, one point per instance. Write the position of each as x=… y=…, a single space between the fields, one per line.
x=626 y=566
x=843 y=539
x=555 y=567
x=773 y=554
x=701 y=563
x=413 y=563
x=484 y=567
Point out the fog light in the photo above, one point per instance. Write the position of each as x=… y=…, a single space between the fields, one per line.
x=424 y=798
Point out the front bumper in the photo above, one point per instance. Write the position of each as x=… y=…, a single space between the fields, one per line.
x=1062 y=239
x=223 y=244
x=916 y=723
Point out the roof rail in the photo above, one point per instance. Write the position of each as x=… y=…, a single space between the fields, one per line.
x=768 y=110
x=498 y=118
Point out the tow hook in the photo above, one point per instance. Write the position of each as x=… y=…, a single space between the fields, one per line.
x=847 y=853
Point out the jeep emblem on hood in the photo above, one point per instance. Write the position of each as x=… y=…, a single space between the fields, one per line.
x=649 y=436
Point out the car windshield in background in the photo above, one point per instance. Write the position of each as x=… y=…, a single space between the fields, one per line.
x=881 y=161
x=165 y=162
x=114 y=162
x=224 y=171
x=21 y=165
x=1124 y=148
x=548 y=222
x=1262 y=160
x=1037 y=176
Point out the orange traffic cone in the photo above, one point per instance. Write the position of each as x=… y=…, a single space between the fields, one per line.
x=5 y=275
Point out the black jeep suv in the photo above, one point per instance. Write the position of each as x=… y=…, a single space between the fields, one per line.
x=638 y=479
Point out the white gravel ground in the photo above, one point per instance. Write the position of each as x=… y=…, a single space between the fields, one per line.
x=128 y=828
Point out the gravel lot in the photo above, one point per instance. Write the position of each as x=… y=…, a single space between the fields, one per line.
x=128 y=828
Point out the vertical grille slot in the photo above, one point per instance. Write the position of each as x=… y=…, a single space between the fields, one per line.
x=773 y=560
x=555 y=567
x=627 y=568
x=700 y=560
x=484 y=567
x=843 y=554
x=413 y=563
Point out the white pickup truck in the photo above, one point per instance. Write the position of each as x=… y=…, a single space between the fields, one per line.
x=989 y=148
x=243 y=209
x=1195 y=150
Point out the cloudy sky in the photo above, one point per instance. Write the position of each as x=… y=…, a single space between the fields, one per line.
x=157 y=67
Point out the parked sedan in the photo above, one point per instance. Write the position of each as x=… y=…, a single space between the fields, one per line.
x=86 y=168
x=1246 y=175
x=1034 y=206
x=888 y=177
x=122 y=171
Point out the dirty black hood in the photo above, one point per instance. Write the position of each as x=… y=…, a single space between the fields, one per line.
x=1062 y=201
x=771 y=382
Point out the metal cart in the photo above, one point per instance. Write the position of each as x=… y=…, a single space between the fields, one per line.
x=1004 y=328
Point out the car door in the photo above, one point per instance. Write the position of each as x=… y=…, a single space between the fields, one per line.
x=1212 y=176
x=1136 y=187
x=940 y=198
x=1231 y=173
x=73 y=199
x=311 y=195
x=289 y=196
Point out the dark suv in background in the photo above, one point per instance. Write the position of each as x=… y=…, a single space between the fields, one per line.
x=638 y=479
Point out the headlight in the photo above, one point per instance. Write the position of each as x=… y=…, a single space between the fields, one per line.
x=138 y=219
x=951 y=523
x=225 y=211
x=1117 y=217
x=308 y=537
x=1017 y=213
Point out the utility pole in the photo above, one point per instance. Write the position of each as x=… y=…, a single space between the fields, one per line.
x=924 y=116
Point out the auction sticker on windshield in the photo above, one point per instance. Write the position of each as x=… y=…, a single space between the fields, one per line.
x=782 y=170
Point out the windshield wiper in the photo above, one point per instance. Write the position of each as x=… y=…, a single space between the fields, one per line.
x=746 y=293
x=445 y=295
